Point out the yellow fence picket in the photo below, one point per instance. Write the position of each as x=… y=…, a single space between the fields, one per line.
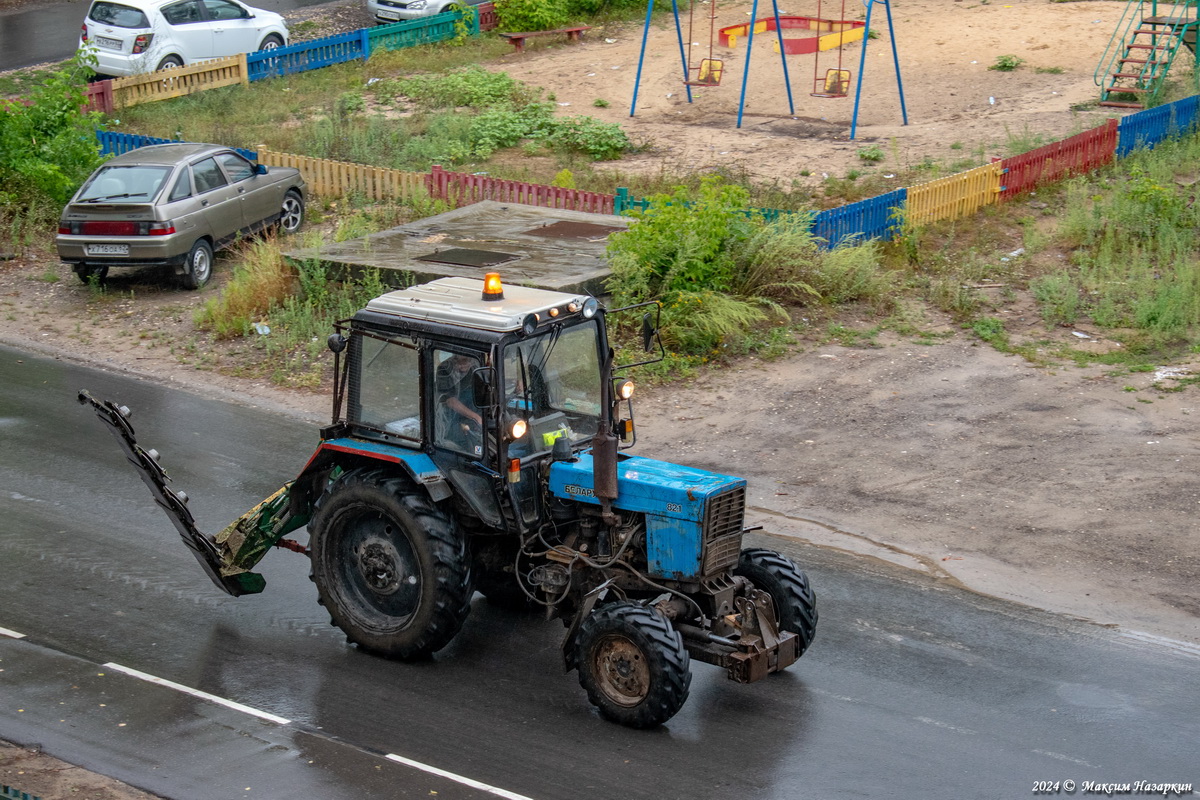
x=955 y=195
x=329 y=178
x=135 y=89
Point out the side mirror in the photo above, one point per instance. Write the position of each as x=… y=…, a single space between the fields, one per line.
x=648 y=332
x=481 y=388
x=260 y=169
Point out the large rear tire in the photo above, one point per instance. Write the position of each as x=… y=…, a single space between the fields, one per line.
x=632 y=665
x=198 y=268
x=390 y=567
x=795 y=601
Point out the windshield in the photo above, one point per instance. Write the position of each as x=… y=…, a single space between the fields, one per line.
x=124 y=183
x=553 y=382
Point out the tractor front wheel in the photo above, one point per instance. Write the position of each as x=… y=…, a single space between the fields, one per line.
x=632 y=665
x=793 y=597
x=390 y=567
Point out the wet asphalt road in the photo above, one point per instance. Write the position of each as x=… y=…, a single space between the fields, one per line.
x=44 y=32
x=912 y=688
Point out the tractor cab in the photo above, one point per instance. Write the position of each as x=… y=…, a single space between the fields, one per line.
x=490 y=385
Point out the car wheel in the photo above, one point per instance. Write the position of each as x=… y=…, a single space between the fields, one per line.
x=292 y=212
x=199 y=264
x=271 y=42
x=170 y=62
x=91 y=273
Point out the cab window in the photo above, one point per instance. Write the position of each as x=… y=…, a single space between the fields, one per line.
x=208 y=176
x=387 y=395
x=236 y=167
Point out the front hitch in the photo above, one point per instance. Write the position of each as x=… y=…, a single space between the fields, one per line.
x=748 y=644
x=203 y=547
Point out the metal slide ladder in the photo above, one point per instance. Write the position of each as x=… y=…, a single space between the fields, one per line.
x=1134 y=66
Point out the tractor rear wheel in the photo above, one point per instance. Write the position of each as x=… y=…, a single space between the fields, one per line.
x=795 y=602
x=390 y=567
x=632 y=665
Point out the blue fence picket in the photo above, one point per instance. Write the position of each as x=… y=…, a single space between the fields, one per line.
x=307 y=55
x=115 y=144
x=9 y=793
x=873 y=218
x=1153 y=125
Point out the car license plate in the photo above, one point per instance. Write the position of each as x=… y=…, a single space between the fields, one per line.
x=111 y=44
x=108 y=249
x=387 y=15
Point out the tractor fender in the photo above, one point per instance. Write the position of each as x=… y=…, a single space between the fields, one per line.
x=347 y=453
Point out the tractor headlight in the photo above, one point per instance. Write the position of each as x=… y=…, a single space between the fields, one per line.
x=518 y=429
x=625 y=389
x=590 y=307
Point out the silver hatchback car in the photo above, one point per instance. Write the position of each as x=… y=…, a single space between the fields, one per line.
x=396 y=10
x=173 y=205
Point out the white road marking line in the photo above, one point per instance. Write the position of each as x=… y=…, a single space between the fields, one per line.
x=441 y=773
x=11 y=634
x=212 y=698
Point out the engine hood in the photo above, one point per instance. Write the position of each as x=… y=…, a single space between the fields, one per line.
x=643 y=484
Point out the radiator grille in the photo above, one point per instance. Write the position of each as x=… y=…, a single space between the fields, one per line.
x=723 y=522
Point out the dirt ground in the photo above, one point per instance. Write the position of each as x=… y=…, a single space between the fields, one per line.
x=944 y=47
x=1059 y=487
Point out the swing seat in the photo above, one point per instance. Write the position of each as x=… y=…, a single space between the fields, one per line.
x=835 y=84
x=709 y=73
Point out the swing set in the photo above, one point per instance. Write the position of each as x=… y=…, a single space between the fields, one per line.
x=830 y=34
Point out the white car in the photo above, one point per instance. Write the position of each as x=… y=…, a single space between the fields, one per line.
x=396 y=10
x=132 y=37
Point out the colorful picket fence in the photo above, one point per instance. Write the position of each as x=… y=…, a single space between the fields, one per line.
x=954 y=196
x=1150 y=126
x=1075 y=155
x=178 y=82
x=873 y=218
x=461 y=188
x=109 y=95
x=329 y=178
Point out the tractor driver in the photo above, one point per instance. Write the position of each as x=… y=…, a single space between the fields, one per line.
x=459 y=420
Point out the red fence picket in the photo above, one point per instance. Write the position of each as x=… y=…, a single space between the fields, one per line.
x=100 y=96
x=488 y=21
x=463 y=189
x=1080 y=153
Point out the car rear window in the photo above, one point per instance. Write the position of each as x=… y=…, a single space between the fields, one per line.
x=134 y=183
x=117 y=15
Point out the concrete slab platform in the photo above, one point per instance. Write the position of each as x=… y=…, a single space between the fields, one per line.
x=544 y=248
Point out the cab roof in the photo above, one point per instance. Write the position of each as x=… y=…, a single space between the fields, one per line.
x=459 y=301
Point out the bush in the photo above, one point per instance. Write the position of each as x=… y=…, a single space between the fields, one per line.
x=601 y=141
x=48 y=143
x=531 y=15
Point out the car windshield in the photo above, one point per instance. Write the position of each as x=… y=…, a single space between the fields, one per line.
x=553 y=382
x=121 y=183
x=118 y=15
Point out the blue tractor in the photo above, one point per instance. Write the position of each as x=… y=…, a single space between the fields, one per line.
x=478 y=444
